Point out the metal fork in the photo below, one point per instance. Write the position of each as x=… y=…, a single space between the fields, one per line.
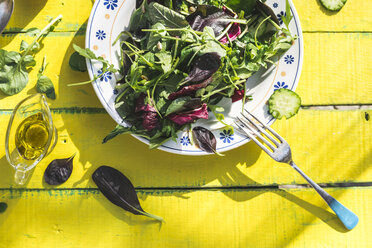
x=278 y=149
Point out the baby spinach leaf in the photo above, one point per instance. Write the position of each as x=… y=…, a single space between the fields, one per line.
x=155 y=37
x=13 y=79
x=45 y=85
x=77 y=62
x=238 y=5
x=169 y=18
x=139 y=19
x=119 y=190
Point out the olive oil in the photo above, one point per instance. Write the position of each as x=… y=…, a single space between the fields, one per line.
x=32 y=136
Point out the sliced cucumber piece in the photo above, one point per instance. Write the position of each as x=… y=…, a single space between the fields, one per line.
x=333 y=5
x=284 y=102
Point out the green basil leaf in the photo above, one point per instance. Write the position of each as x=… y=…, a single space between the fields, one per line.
x=45 y=85
x=77 y=62
x=13 y=79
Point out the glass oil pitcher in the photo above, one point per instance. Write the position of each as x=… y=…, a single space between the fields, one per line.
x=30 y=136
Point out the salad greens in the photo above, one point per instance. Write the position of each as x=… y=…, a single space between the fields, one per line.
x=14 y=65
x=179 y=58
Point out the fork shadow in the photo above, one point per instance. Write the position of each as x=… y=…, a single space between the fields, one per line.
x=327 y=217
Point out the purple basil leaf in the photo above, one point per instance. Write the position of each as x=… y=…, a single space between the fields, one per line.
x=204 y=139
x=211 y=16
x=205 y=66
x=118 y=189
x=58 y=171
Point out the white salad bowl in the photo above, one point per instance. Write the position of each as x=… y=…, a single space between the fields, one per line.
x=110 y=17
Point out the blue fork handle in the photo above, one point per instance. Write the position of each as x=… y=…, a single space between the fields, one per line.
x=347 y=217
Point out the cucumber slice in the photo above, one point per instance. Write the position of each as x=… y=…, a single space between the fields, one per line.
x=284 y=102
x=333 y=5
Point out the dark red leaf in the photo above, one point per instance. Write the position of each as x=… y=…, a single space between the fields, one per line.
x=150 y=120
x=238 y=95
x=233 y=33
x=150 y=117
x=191 y=116
x=189 y=90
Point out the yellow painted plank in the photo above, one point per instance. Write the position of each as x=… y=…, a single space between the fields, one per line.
x=336 y=70
x=355 y=16
x=331 y=146
x=36 y=13
x=229 y=218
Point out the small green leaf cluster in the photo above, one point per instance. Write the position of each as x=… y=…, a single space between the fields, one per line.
x=14 y=66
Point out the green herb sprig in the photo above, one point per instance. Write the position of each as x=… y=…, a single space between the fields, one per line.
x=14 y=65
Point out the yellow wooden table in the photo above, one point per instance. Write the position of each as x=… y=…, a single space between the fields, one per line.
x=241 y=200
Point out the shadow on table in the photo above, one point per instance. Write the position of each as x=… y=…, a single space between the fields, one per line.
x=26 y=9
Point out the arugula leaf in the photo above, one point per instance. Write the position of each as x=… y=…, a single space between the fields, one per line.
x=288 y=15
x=118 y=130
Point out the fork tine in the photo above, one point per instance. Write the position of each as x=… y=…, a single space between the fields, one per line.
x=262 y=130
x=252 y=137
x=255 y=132
x=265 y=126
